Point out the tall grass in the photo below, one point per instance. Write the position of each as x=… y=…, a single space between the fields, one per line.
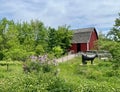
x=99 y=77
x=72 y=77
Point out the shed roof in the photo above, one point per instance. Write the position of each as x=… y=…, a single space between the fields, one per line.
x=82 y=35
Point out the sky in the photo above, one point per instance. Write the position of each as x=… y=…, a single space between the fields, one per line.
x=100 y=14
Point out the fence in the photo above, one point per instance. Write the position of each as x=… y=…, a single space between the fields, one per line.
x=102 y=54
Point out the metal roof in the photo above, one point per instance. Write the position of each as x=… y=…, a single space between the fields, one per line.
x=82 y=35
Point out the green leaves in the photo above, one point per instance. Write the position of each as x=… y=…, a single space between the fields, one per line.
x=114 y=34
x=111 y=42
x=58 y=51
x=60 y=37
x=31 y=36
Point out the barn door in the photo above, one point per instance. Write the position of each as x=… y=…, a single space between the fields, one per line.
x=78 y=47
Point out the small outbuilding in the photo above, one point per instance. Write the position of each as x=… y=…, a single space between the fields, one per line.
x=84 y=39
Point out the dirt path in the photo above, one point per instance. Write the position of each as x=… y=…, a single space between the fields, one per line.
x=66 y=58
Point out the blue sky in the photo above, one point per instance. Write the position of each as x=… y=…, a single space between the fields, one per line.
x=76 y=13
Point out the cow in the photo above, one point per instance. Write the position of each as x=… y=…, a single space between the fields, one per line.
x=86 y=58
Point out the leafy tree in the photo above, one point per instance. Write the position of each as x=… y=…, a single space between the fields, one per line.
x=114 y=34
x=31 y=37
x=103 y=42
x=3 y=29
x=111 y=42
x=64 y=36
x=8 y=36
x=52 y=38
x=60 y=37
x=40 y=33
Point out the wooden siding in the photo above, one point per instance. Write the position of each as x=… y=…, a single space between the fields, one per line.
x=74 y=48
x=93 y=38
x=83 y=46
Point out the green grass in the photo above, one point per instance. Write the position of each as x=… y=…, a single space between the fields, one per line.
x=100 y=77
x=97 y=75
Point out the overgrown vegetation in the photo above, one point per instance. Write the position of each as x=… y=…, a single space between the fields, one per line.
x=111 y=42
x=38 y=47
x=71 y=77
x=20 y=40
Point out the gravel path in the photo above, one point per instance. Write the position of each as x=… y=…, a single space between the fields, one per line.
x=66 y=58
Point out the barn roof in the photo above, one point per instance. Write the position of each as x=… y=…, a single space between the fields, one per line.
x=83 y=35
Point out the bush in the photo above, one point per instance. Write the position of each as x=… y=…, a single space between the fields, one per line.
x=60 y=85
x=104 y=64
x=39 y=50
x=112 y=73
x=31 y=66
x=58 y=51
x=1 y=55
x=35 y=82
x=115 y=66
x=40 y=63
x=17 y=54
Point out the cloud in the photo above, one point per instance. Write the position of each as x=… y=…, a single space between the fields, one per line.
x=76 y=13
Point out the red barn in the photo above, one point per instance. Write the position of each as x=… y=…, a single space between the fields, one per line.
x=84 y=39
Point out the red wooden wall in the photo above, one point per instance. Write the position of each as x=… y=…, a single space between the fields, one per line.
x=74 y=48
x=93 y=38
x=83 y=46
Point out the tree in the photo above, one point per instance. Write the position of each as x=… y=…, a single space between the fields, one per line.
x=60 y=37
x=26 y=38
x=64 y=36
x=40 y=34
x=114 y=34
x=52 y=38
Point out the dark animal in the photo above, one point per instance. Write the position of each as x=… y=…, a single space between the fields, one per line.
x=86 y=58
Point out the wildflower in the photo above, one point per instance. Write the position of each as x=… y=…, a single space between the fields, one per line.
x=33 y=58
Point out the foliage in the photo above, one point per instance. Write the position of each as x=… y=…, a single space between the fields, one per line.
x=52 y=38
x=114 y=34
x=92 y=78
x=111 y=42
x=39 y=64
x=58 y=51
x=39 y=50
x=26 y=37
x=64 y=36
x=72 y=77
x=10 y=63
x=60 y=37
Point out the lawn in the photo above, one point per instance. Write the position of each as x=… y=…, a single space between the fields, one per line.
x=100 y=77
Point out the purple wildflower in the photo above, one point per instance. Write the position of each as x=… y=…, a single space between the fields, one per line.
x=33 y=58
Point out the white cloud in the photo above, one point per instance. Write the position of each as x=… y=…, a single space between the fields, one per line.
x=77 y=13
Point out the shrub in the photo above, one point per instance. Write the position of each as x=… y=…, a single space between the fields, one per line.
x=112 y=73
x=104 y=64
x=115 y=66
x=39 y=50
x=59 y=85
x=35 y=82
x=17 y=54
x=40 y=63
x=58 y=51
